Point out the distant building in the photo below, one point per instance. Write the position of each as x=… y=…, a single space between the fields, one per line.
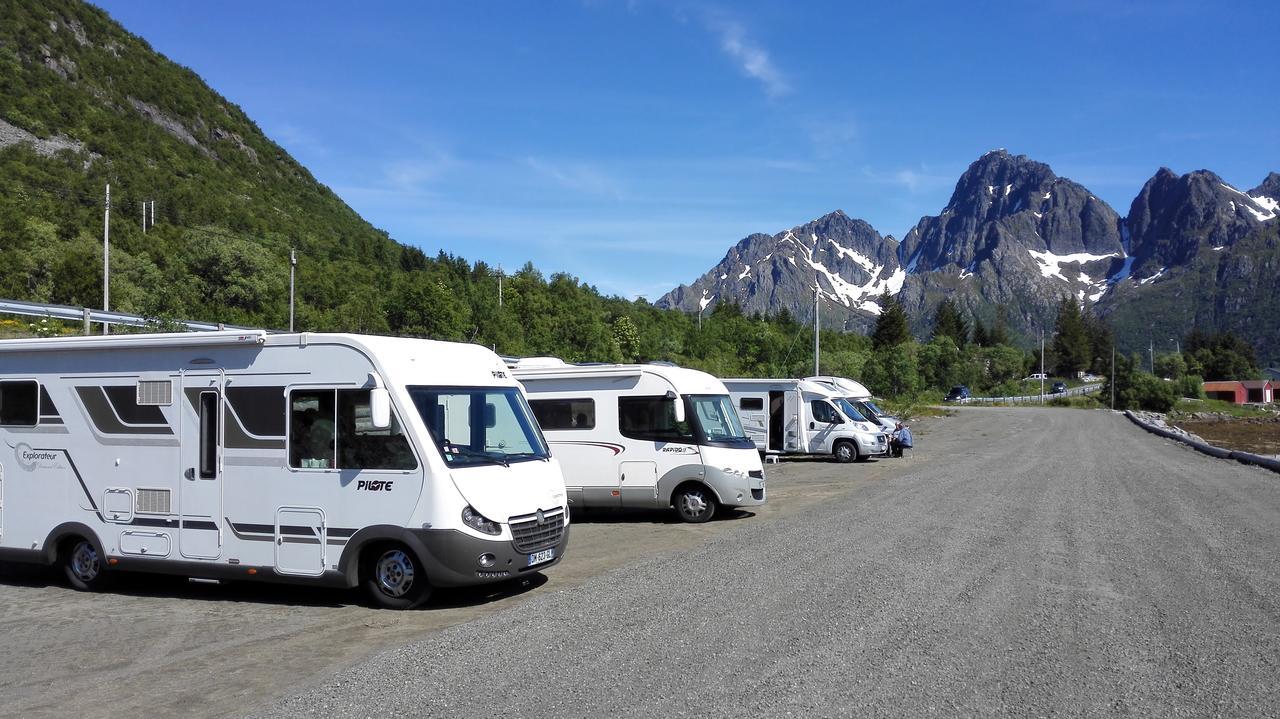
x=1256 y=391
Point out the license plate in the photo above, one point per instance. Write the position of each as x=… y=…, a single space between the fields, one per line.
x=545 y=555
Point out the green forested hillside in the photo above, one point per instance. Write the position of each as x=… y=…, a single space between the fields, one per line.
x=83 y=103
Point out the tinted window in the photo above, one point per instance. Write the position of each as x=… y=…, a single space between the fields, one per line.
x=312 y=415
x=208 y=435
x=751 y=404
x=564 y=413
x=823 y=412
x=360 y=445
x=652 y=418
x=19 y=403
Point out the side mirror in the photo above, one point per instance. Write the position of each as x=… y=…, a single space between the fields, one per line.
x=380 y=408
x=490 y=415
x=679 y=404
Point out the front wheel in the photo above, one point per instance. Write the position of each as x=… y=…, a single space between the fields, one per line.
x=82 y=566
x=695 y=504
x=394 y=578
x=845 y=452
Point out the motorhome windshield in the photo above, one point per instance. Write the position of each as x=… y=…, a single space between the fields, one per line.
x=853 y=411
x=479 y=425
x=717 y=421
x=874 y=409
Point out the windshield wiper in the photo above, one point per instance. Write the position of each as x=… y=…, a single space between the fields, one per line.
x=469 y=452
x=528 y=455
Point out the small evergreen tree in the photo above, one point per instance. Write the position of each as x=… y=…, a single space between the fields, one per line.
x=1070 y=349
x=891 y=327
x=948 y=322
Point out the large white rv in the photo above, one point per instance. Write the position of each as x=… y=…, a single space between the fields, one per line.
x=644 y=436
x=794 y=416
x=858 y=396
x=345 y=460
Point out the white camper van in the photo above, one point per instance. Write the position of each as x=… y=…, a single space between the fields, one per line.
x=793 y=416
x=860 y=398
x=396 y=464
x=644 y=436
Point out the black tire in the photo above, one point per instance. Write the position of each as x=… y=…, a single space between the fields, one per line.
x=845 y=451
x=694 y=503
x=83 y=567
x=394 y=578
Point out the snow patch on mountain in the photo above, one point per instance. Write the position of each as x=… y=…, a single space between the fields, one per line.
x=1262 y=207
x=1051 y=264
x=854 y=255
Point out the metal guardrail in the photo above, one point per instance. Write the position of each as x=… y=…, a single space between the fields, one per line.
x=1035 y=398
x=92 y=316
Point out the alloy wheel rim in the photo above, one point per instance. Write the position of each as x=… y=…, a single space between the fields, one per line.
x=395 y=573
x=84 y=562
x=694 y=503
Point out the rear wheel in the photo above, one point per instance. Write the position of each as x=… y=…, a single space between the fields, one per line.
x=695 y=503
x=84 y=568
x=845 y=452
x=394 y=578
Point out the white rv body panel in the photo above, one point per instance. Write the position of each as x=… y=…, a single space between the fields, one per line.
x=204 y=454
x=858 y=394
x=782 y=416
x=612 y=459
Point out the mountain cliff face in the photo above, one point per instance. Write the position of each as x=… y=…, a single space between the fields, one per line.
x=846 y=259
x=1193 y=251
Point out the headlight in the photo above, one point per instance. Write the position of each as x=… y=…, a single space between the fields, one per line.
x=479 y=522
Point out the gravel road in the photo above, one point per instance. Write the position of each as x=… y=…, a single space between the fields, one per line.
x=1033 y=562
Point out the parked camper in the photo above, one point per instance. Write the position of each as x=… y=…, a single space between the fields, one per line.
x=793 y=416
x=396 y=464
x=861 y=399
x=644 y=436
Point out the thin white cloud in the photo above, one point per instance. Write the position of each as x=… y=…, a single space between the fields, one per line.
x=577 y=177
x=751 y=58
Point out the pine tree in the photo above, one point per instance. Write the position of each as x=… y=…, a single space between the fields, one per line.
x=948 y=322
x=999 y=332
x=1070 y=350
x=891 y=326
x=980 y=336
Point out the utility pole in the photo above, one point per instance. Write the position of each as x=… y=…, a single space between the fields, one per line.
x=153 y=213
x=144 y=217
x=817 y=372
x=1153 y=354
x=500 y=290
x=293 y=264
x=106 y=260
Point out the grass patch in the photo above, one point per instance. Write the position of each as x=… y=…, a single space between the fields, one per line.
x=1186 y=407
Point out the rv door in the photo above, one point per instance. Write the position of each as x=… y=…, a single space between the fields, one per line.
x=796 y=439
x=200 y=466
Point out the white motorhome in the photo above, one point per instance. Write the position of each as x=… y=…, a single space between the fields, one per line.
x=395 y=464
x=860 y=398
x=794 y=416
x=644 y=436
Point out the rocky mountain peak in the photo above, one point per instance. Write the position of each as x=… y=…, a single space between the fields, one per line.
x=1270 y=187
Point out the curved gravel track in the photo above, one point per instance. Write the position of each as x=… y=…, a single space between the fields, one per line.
x=1042 y=563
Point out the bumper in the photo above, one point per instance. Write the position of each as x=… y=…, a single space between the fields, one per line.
x=873 y=444
x=452 y=557
x=735 y=490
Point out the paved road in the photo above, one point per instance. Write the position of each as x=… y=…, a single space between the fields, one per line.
x=1036 y=562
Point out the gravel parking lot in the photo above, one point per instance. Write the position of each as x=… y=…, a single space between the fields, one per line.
x=158 y=646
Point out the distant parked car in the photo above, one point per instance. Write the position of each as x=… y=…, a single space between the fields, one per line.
x=959 y=393
x=1037 y=375
x=1059 y=387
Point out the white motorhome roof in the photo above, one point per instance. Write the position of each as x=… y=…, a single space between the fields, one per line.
x=762 y=385
x=409 y=360
x=848 y=387
x=682 y=379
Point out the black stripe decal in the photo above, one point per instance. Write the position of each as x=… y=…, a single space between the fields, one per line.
x=124 y=398
x=80 y=479
x=104 y=418
x=47 y=408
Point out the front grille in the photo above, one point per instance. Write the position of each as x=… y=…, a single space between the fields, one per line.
x=530 y=535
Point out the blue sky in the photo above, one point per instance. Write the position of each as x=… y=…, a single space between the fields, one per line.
x=631 y=143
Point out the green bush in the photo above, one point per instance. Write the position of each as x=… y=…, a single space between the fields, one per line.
x=1191 y=386
x=1153 y=394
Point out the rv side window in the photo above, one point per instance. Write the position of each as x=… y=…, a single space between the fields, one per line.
x=564 y=413
x=652 y=418
x=360 y=445
x=751 y=404
x=311 y=429
x=19 y=403
x=208 y=435
x=824 y=412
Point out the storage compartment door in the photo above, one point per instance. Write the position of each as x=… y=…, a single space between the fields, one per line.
x=300 y=541
x=795 y=434
x=638 y=483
